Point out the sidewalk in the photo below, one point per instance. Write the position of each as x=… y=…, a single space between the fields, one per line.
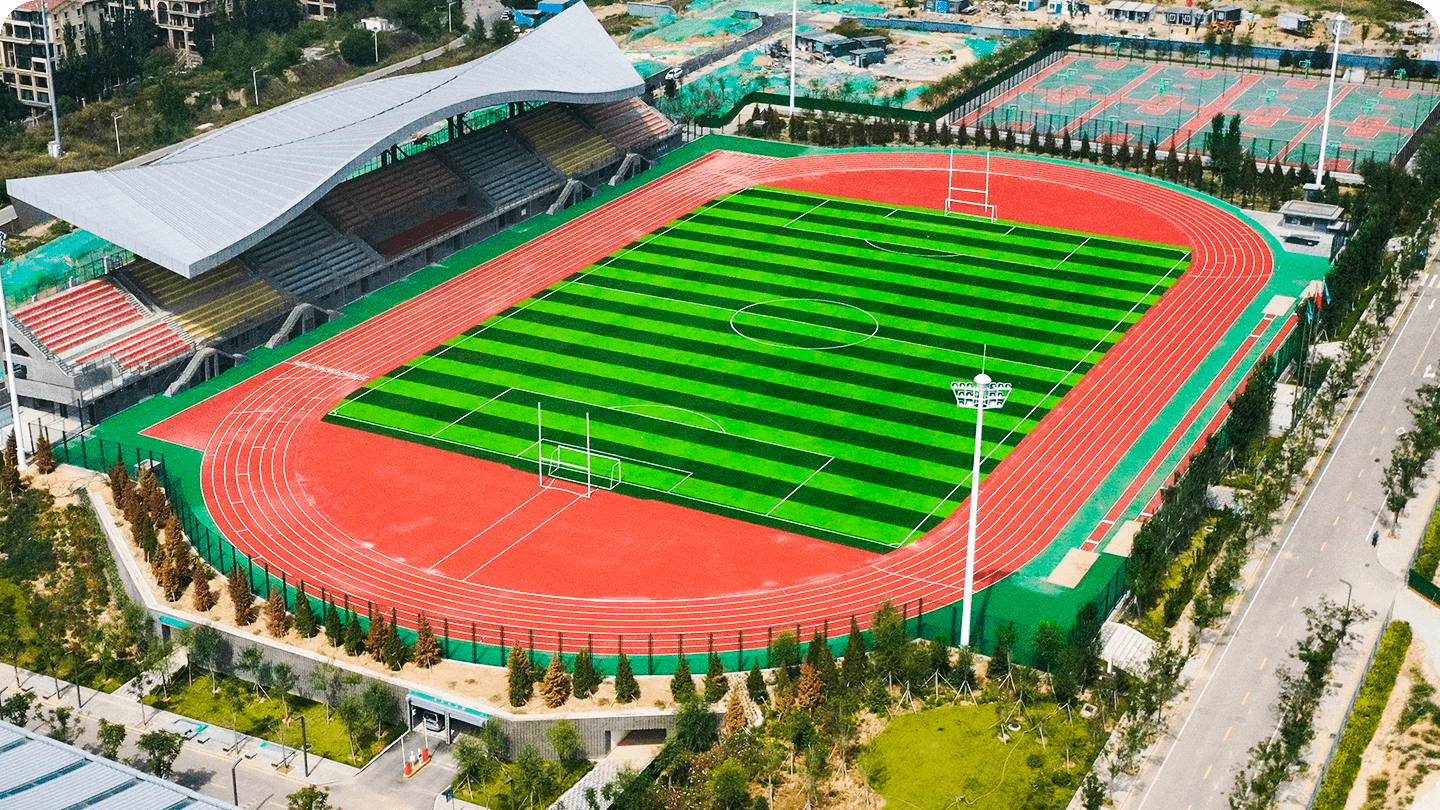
x=215 y=740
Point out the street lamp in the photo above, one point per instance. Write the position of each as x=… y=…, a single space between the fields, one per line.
x=235 y=784
x=10 y=362
x=449 y=25
x=305 y=746
x=115 y=118
x=255 y=78
x=1349 y=589
x=376 y=32
x=982 y=395
x=1340 y=24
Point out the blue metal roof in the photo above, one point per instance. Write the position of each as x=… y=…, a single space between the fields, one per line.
x=38 y=773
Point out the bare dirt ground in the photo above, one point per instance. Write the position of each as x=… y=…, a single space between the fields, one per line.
x=1399 y=765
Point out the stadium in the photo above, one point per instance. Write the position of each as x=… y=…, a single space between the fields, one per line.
x=489 y=345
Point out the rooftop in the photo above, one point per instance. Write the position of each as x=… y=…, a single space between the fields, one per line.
x=38 y=773
x=1301 y=208
x=206 y=203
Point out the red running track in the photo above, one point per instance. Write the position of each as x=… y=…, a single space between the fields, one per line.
x=422 y=530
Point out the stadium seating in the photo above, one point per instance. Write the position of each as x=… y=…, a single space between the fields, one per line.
x=308 y=258
x=78 y=315
x=630 y=124
x=387 y=192
x=554 y=132
x=407 y=239
x=173 y=291
x=154 y=342
x=503 y=170
x=249 y=302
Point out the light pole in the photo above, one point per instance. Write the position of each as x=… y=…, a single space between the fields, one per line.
x=115 y=118
x=376 y=32
x=982 y=395
x=305 y=746
x=255 y=78
x=1339 y=24
x=449 y=24
x=794 y=16
x=10 y=361
x=1349 y=589
x=235 y=783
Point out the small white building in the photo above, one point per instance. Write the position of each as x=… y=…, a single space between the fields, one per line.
x=1312 y=216
x=1129 y=11
x=378 y=24
x=1293 y=23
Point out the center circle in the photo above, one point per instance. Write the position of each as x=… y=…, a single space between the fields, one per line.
x=814 y=324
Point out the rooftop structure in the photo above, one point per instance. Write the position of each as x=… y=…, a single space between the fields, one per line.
x=38 y=773
x=206 y=203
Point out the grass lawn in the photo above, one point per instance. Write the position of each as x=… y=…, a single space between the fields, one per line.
x=264 y=718
x=496 y=793
x=783 y=358
x=951 y=756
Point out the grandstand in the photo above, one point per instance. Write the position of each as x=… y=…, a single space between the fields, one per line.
x=346 y=200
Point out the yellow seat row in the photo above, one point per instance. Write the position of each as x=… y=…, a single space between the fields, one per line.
x=251 y=302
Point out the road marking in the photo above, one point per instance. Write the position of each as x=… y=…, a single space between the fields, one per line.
x=1362 y=472
x=1264 y=661
x=1373 y=449
x=1279 y=630
x=1308 y=573
x=1293 y=601
x=1227 y=733
x=1327 y=542
x=1207 y=771
x=1336 y=523
x=1347 y=497
x=1245 y=699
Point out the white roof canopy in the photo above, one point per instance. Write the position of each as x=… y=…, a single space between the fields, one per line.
x=206 y=203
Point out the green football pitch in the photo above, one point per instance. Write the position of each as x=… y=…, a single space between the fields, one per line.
x=783 y=358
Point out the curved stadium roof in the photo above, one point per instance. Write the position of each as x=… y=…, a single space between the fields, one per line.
x=206 y=203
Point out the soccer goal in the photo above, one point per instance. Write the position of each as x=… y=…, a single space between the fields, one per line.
x=573 y=463
x=973 y=201
x=578 y=465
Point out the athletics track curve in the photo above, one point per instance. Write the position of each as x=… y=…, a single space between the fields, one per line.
x=347 y=511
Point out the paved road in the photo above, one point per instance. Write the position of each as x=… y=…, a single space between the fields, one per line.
x=1326 y=541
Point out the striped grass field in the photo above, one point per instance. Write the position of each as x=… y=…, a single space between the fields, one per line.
x=783 y=358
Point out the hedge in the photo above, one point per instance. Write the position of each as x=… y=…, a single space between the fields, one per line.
x=1365 y=718
x=1429 y=557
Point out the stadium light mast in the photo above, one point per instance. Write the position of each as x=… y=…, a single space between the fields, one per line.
x=982 y=395
x=1341 y=25
x=10 y=363
x=794 y=17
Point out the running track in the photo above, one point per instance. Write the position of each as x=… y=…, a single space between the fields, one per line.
x=347 y=511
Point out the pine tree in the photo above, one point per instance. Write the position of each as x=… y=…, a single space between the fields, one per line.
x=1107 y=153
x=555 y=689
x=962 y=136
x=354 y=636
x=784 y=691
x=855 y=668
x=734 y=715
x=755 y=685
x=994 y=135
x=1067 y=146
x=627 y=689
x=375 y=637
x=1084 y=146
x=119 y=482
x=170 y=573
x=715 y=684
x=810 y=691
x=277 y=618
x=1034 y=143
x=587 y=678
x=334 y=628
x=1010 y=139
x=521 y=684
x=304 y=615
x=394 y=654
x=203 y=595
x=240 y=596
x=820 y=657
x=427 y=647
x=682 y=685
x=44 y=456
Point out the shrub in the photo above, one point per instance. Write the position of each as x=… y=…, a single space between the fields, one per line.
x=1365 y=718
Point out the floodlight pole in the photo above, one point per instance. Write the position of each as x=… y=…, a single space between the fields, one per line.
x=1329 y=101
x=10 y=361
x=255 y=77
x=982 y=395
x=794 y=17
x=115 y=118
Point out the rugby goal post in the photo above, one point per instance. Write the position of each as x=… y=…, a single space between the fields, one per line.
x=966 y=200
x=557 y=461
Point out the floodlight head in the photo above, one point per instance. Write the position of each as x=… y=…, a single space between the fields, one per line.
x=981 y=394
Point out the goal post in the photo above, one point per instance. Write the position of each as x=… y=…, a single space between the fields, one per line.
x=578 y=465
x=958 y=197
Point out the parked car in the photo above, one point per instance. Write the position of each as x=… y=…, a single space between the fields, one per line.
x=674 y=74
